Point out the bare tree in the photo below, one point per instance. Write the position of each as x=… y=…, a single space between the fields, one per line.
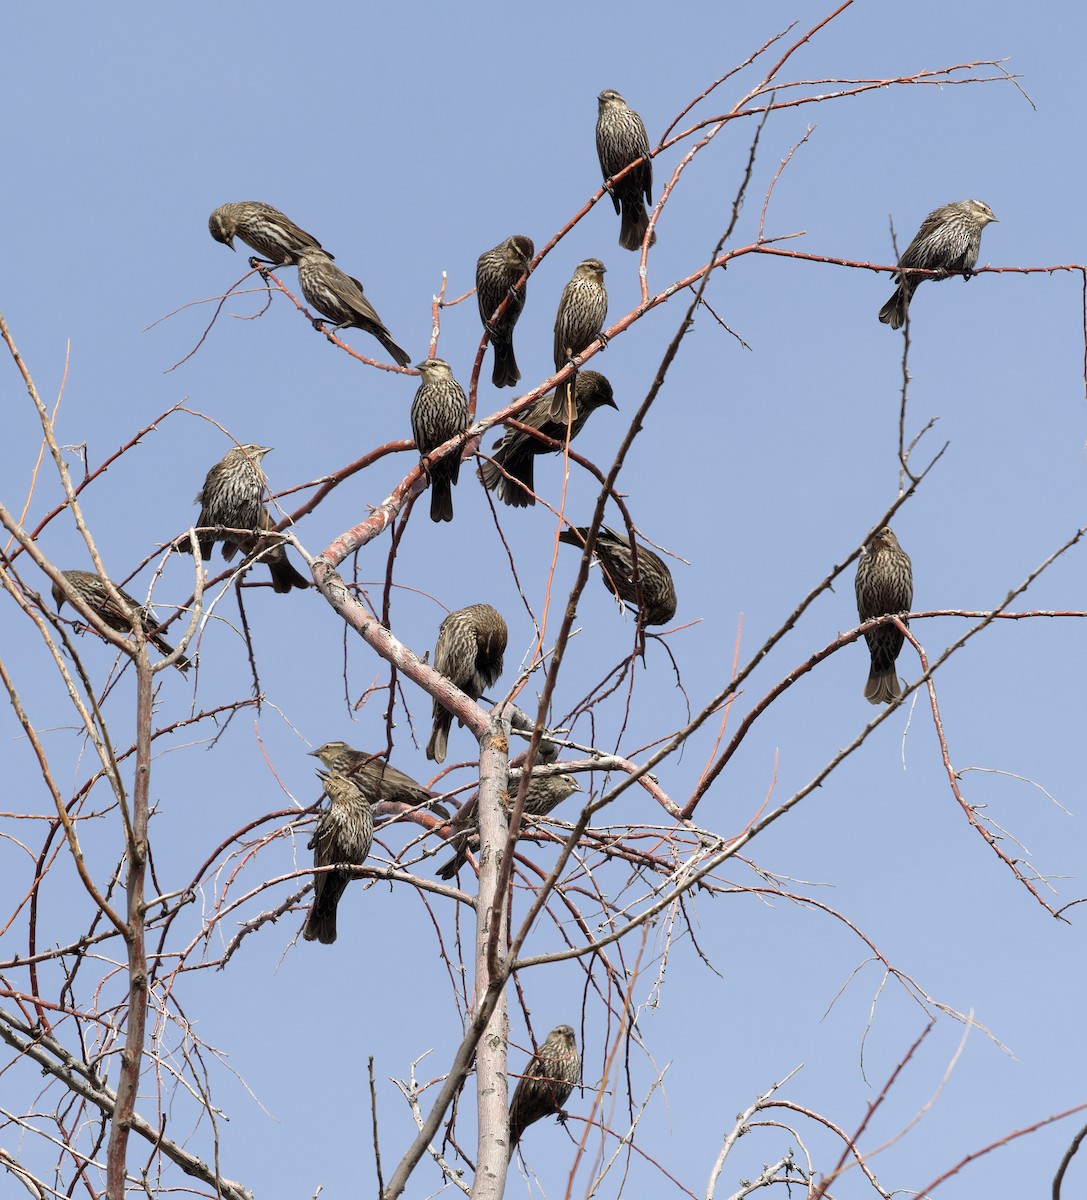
x=106 y=926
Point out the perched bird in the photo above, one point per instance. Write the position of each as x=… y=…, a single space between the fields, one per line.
x=344 y=834
x=375 y=778
x=884 y=585
x=949 y=241
x=544 y=794
x=438 y=413
x=263 y=227
x=91 y=589
x=614 y=554
x=340 y=298
x=582 y=309
x=232 y=499
x=620 y=139
x=496 y=273
x=544 y=1088
x=469 y=650
x=509 y=472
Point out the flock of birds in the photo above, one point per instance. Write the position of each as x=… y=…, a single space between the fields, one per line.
x=471 y=641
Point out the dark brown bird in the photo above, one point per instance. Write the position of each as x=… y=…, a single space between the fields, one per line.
x=377 y=780
x=343 y=835
x=545 y=1086
x=583 y=307
x=509 y=472
x=497 y=271
x=949 y=241
x=613 y=552
x=884 y=585
x=263 y=227
x=469 y=650
x=340 y=298
x=438 y=413
x=543 y=795
x=91 y=589
x=620 y=139
x=232 y=499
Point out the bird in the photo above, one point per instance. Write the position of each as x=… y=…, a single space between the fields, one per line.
x=340 y=299
x=92 y=590
x=343 y=835
x=545 y=1086
x=509 y=472
x=884 y=585
x=469 y=650
x=232 y=498
x=614 y=554
x=232 y=501
x=438 y=413
x=544 y=794
x=620 y=139
x=949 y=241
x=380 y=782
x=265 y=228
x=583 y=307
x=497 y=271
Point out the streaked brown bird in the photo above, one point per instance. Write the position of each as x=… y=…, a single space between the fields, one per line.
x=497 y=271
x=469 y=651
x=509 y=473
x=379 y=781
x=263 y=227
x=949 y=241
x=438 y=413
x=340 y=298
x=884 y=585
x=543 y=795
x=232 y=499
x=620 y=139
x=550 y=1077
x=91 y=589
x=583 y=308
x=613 y=552
x=343 y=835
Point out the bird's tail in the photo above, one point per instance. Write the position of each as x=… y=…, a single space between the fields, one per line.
x=515 y=486
x=438 y=745
x=506 y=373
x=399 y=355
x=284 y=576
x=893 y=313
x=441 y=499
x=321 y=923
x=635 y=222
x=883 y=686
x=164 y=648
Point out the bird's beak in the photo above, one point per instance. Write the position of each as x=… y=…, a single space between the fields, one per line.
x=611 y=404
x=313 y=753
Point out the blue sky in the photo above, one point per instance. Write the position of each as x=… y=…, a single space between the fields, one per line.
x=409 y=139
